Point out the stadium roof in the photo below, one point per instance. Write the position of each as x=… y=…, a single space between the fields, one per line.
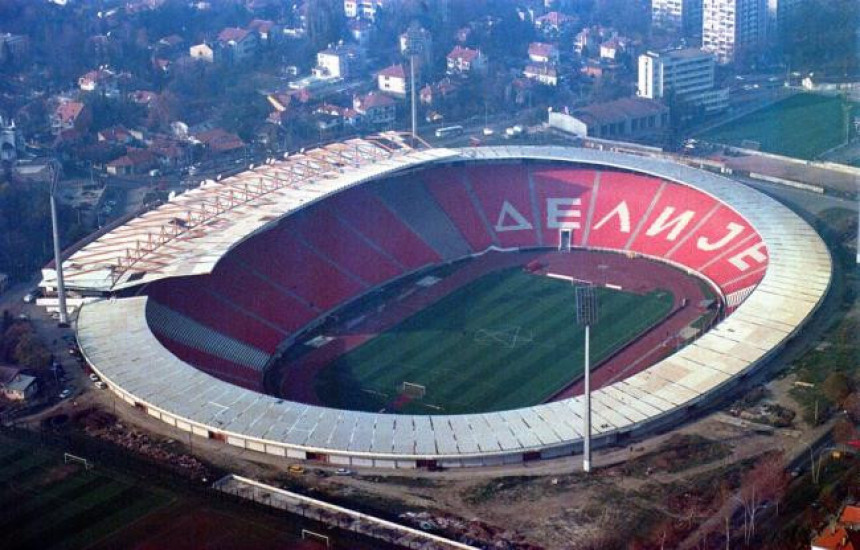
x=117 y=342
x=192 y=231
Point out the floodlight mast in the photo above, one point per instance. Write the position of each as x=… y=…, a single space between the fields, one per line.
x=414 y=107
x=586 y=314
x=58 y=261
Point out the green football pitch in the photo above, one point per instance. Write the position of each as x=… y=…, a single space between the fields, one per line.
x=49 y=504
x=801 y=126
x=506 y=340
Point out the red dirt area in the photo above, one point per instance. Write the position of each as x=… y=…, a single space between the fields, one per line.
x=199 y=529
x=631 y=274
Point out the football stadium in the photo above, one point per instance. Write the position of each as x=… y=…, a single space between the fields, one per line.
x=373 y=303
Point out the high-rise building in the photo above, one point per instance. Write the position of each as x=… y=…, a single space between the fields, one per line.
x=686 y=75
x=778 y=11
x=733 y=29
x=683 y=17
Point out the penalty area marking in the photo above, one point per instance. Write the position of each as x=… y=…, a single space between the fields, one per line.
x=507 y=337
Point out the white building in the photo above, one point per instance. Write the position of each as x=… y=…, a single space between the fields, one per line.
x=733 y=29
x=686 y=75
x=393 y=80
x=338 y=62
x=202 y=52
x=465 y=61
x=677 y=16
x=365 y=9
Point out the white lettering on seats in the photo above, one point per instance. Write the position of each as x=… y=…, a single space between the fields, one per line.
x=735 y=229
x=511 y=220
x=755 y=252
x=623 y=214
x=559 y=213
x=662 y=223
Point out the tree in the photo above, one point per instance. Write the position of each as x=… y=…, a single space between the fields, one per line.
x=836 y=387
x=851 y=404
x=766 y=481
x=31 y=352
x=844 y=431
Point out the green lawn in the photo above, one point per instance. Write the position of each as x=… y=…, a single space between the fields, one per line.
x=801 y=126
x=50 y=505
x=506 y=340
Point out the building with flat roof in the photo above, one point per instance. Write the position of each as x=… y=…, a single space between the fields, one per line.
x=733 y=29
x=628 y=117
x=686 y=75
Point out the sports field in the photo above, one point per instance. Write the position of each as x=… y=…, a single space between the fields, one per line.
x=49 y=504
x=801 y=126
x=508 y=339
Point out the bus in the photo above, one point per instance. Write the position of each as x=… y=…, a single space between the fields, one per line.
x=449 y=131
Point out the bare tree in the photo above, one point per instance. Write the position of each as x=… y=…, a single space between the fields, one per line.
x=765 y=482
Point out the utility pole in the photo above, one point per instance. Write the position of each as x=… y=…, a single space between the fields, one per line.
x=586 y=314
x=412 y=97
x=58 y=261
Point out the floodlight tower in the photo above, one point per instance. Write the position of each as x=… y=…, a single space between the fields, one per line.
x=58 y=261
x=586 y=315
x=413 y=106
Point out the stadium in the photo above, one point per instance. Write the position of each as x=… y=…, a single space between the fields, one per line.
x=369 y=303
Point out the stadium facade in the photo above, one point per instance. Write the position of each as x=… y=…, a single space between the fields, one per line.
x=158 y=345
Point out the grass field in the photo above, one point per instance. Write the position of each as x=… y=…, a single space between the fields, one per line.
x=801 y=126
x=48 y=504
x=506 y=340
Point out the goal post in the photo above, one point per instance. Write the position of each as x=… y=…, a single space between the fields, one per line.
x=411 y=389
x=69 y=457
x=307 y=534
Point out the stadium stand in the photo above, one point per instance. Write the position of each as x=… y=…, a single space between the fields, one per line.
x=177 y=327
x=322 y=230
x=446 y=186
x=622 y=200
x=416 y=208
x=377 y=223
x=564 y=195
x=190 y=296
x=219 y=367
x=505 y=196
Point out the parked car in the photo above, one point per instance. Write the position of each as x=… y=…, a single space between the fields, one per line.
x=65 y=393
x=343 y=472
x=100 y=385
x=94 y=377
x=295 y=469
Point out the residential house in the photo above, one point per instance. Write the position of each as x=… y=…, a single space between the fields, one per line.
x=16 y=386
x=134 y=162
x=555 y=23
x=393 y=80
x=142 y=97
x=70 y=115
x=465 y=61
x=613 y=48
x=630 y=117
x=170 y=43
x=433 y=94
x=219 y=141
x=238 y=45
x=544 y=73
x=116 y=135
x=267 y=31
x=543 y=52
x=341 y=61
x=333 y=117
x=202 y=52
x=378 y=110
x=102 y=80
